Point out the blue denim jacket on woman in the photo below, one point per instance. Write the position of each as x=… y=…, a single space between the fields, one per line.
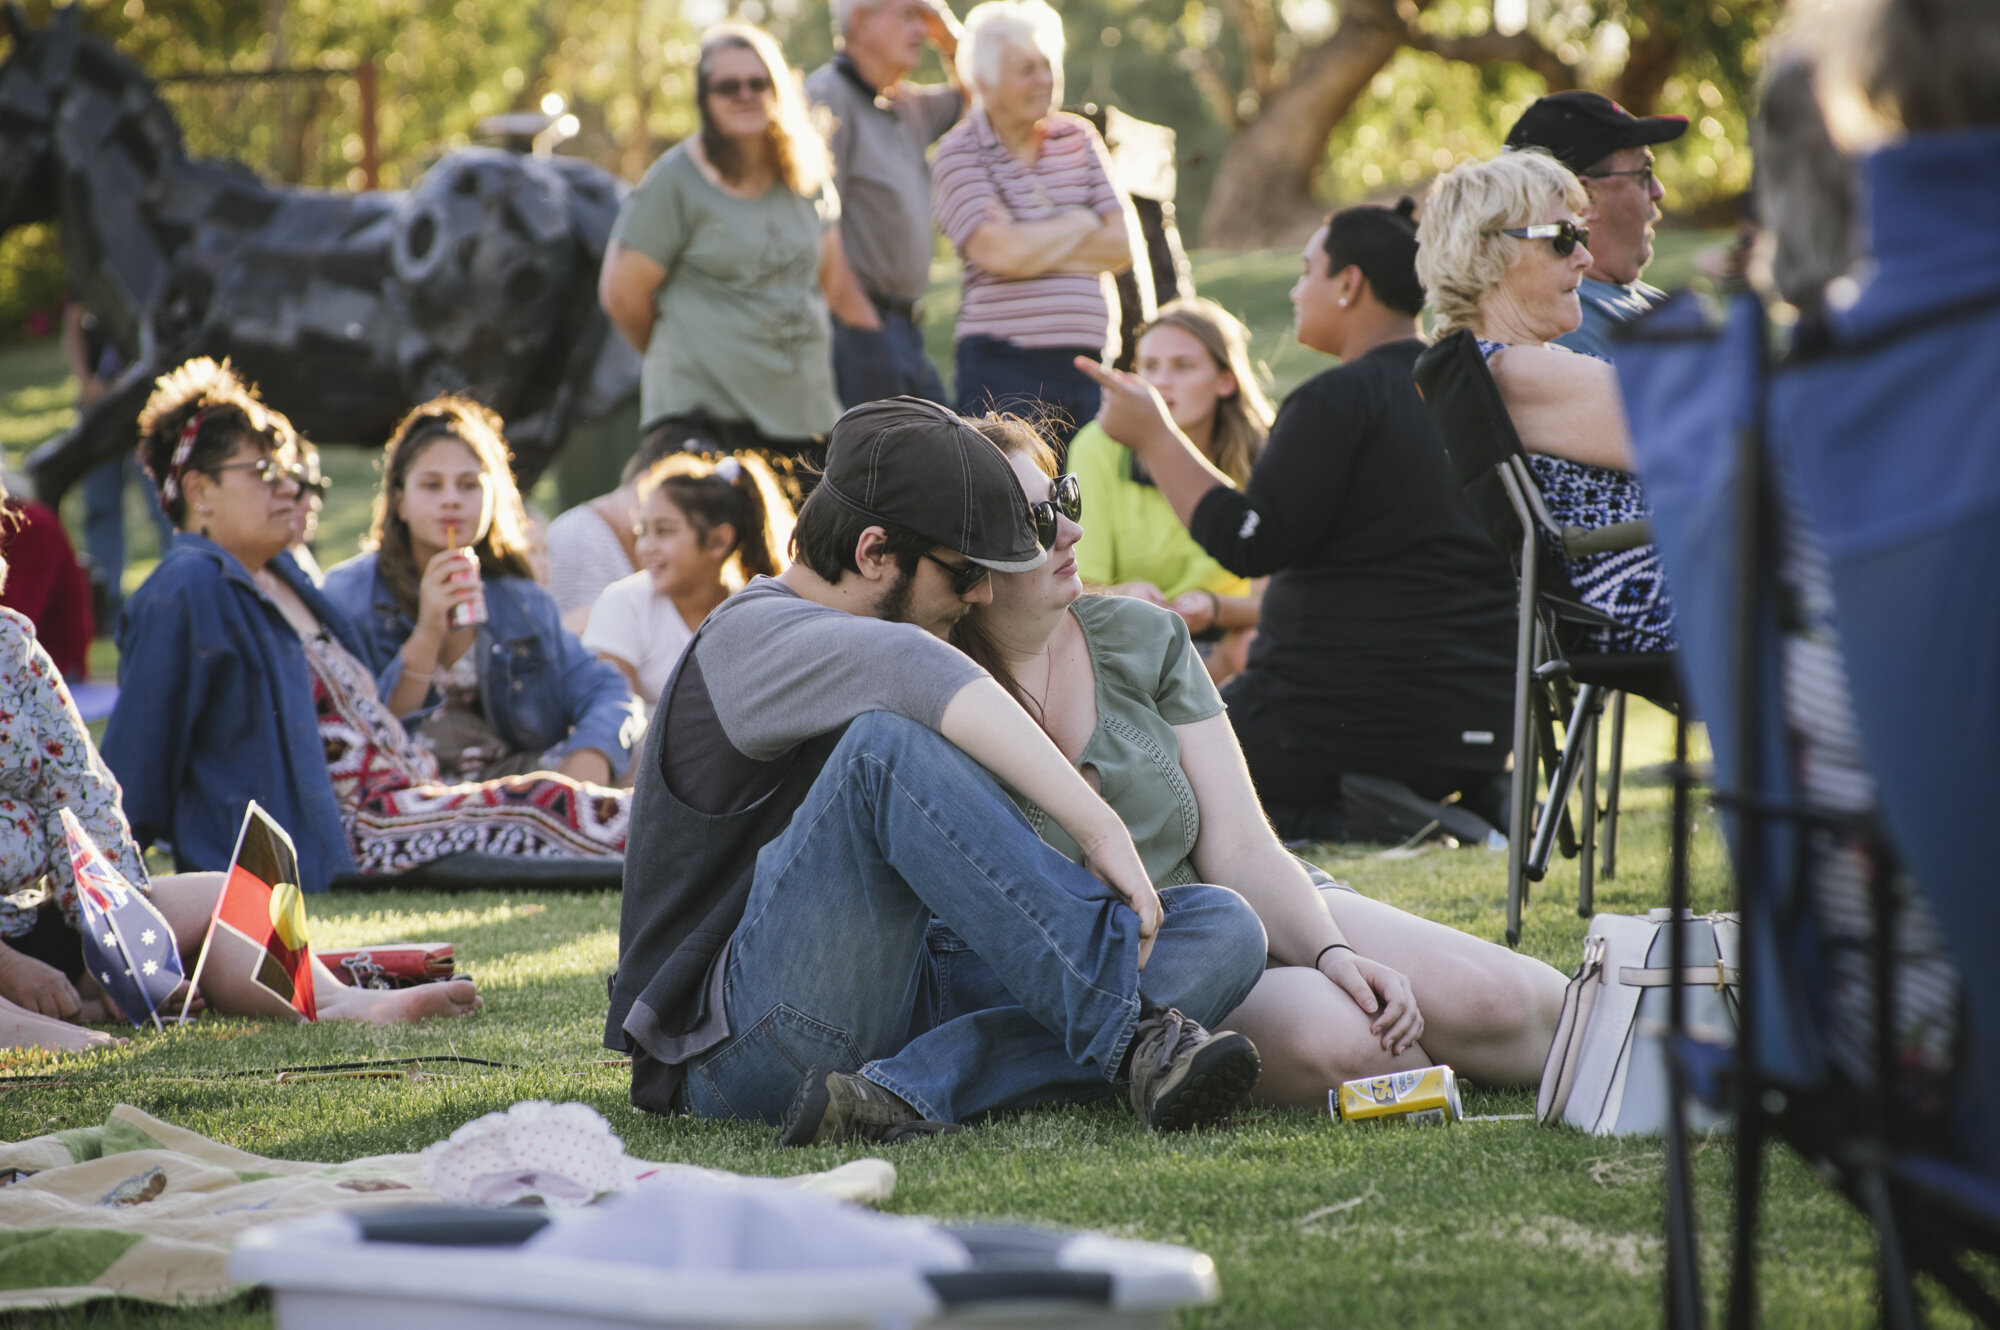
x=539 y=687
x=215 y=708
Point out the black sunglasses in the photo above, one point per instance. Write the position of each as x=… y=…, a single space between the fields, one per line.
x=965 y=577
x=1563 y=237
x=757 y=86
x=1065 y=497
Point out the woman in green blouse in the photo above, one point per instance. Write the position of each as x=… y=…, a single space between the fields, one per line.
x=1356 y=987
x=726 y=259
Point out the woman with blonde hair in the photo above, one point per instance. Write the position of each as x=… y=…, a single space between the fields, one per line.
x=726 y=260
x=1501 y=251
x=1197 y=355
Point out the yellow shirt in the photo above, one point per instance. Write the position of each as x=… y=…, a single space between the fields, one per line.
x=1130 y=533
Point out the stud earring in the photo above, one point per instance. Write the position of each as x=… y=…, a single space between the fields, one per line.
x=1343 y=302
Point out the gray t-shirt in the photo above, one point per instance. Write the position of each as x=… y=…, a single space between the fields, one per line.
x=772 y=669
x=878 y=147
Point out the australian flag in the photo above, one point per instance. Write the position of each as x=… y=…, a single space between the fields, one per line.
x=127 y=944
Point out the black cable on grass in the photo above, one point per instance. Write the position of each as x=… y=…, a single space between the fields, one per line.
x=321 y=1066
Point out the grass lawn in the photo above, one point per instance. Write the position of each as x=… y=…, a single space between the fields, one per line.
x=1310 y=1223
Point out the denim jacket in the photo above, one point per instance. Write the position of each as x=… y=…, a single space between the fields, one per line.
x=539 y=687
x=215 y=708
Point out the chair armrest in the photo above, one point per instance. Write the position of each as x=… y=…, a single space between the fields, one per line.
x=1578 y=541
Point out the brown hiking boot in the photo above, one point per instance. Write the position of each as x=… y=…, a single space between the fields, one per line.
x=1183 y=1076
x=834 y=1106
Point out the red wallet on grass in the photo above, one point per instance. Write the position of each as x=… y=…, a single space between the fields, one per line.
x=391 y=964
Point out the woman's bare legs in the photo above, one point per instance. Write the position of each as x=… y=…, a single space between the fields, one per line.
x=1310 y=1037
x=21 y=1028
x=188 y=900
x=1488 y=1012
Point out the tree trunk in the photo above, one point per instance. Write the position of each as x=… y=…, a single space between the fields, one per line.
x=1263 y=189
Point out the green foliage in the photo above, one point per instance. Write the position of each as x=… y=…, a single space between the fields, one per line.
x=31 y=283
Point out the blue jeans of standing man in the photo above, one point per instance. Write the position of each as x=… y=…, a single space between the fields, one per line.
x=870 y=365
x=104 y=526
x=1041 y=383
x=830 y=966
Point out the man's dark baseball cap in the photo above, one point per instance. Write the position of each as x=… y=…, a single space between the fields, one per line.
x=908 y=463
x=1581 y=129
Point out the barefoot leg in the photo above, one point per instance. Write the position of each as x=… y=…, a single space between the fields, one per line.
x=394 y=1006
x=21 y=1028
x=1311 y=1037
x=1488 y=1012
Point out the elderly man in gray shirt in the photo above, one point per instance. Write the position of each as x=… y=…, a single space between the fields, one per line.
x=882 y=127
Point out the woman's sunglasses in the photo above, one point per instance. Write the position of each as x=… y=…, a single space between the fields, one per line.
x=275 y=473
x=1563 y=237
x=1065 y=497
x=756 y=85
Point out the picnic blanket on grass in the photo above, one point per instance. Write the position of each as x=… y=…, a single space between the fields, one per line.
x=139 y=1208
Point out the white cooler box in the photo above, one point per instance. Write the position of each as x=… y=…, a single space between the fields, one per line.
x=465 y=1266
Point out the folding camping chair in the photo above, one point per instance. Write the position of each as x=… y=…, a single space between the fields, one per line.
x=1551 y=679
x=1710 y=424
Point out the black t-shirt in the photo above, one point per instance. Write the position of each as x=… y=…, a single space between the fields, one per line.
x=1387 y=633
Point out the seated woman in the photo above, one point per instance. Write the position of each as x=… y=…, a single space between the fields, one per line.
x=1356 y=987
x=1385 y=641
x=1023 y=191
x=239 y=679
x=705 y=528
x=1501 y=250
x=1197 y=355
x=48 y=763
x=455 y=628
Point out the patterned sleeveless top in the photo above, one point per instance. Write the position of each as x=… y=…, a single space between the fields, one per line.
x=1627 y=585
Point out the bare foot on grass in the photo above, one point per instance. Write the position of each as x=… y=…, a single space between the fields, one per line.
x=21 y=1028
x=401 y=1006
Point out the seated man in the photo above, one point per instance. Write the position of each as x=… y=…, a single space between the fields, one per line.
x=819 y=787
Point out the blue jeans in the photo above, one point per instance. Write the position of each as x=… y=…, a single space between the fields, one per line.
x=870 y=365
x=1041 y=383
x=104 y=525
x=832 y=964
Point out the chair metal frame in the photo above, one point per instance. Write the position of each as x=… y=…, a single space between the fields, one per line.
x=1549 y=682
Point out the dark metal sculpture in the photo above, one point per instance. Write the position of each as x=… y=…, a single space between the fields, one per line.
x=345 y=309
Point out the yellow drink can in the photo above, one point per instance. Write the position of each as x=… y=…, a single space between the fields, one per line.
x=1428 y=1094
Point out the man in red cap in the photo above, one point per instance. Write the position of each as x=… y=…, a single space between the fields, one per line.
x=1610 y=149
x=818 y=794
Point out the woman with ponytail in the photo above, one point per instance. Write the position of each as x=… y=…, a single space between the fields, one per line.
x=706 y=527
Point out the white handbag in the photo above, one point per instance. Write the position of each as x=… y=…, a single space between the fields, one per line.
x=1607 y=1070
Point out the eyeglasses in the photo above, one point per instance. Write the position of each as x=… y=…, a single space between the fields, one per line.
x=274 y=473
x=1644 y=173
x=965 y=577
x=756 y=85
x=1065 y=497
x=1563 y=237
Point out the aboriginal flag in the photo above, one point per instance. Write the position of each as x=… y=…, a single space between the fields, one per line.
x=261 y=904
x=127 y=944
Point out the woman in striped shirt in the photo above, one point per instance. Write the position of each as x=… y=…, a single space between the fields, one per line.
x=1024 y=193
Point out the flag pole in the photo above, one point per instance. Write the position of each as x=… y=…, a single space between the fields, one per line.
x=208 y=937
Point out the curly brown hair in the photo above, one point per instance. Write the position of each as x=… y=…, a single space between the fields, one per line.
x=229 y=409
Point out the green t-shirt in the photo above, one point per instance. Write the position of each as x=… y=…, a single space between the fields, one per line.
x=1134 y=535
x=742 y=329
x=1149 y=679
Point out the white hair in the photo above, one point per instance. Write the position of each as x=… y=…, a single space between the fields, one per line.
x=843 y=12
x=991 y=28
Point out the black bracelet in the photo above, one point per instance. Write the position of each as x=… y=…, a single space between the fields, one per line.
x=1329 y=947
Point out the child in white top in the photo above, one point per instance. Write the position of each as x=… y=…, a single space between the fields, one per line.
x=706 y=526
